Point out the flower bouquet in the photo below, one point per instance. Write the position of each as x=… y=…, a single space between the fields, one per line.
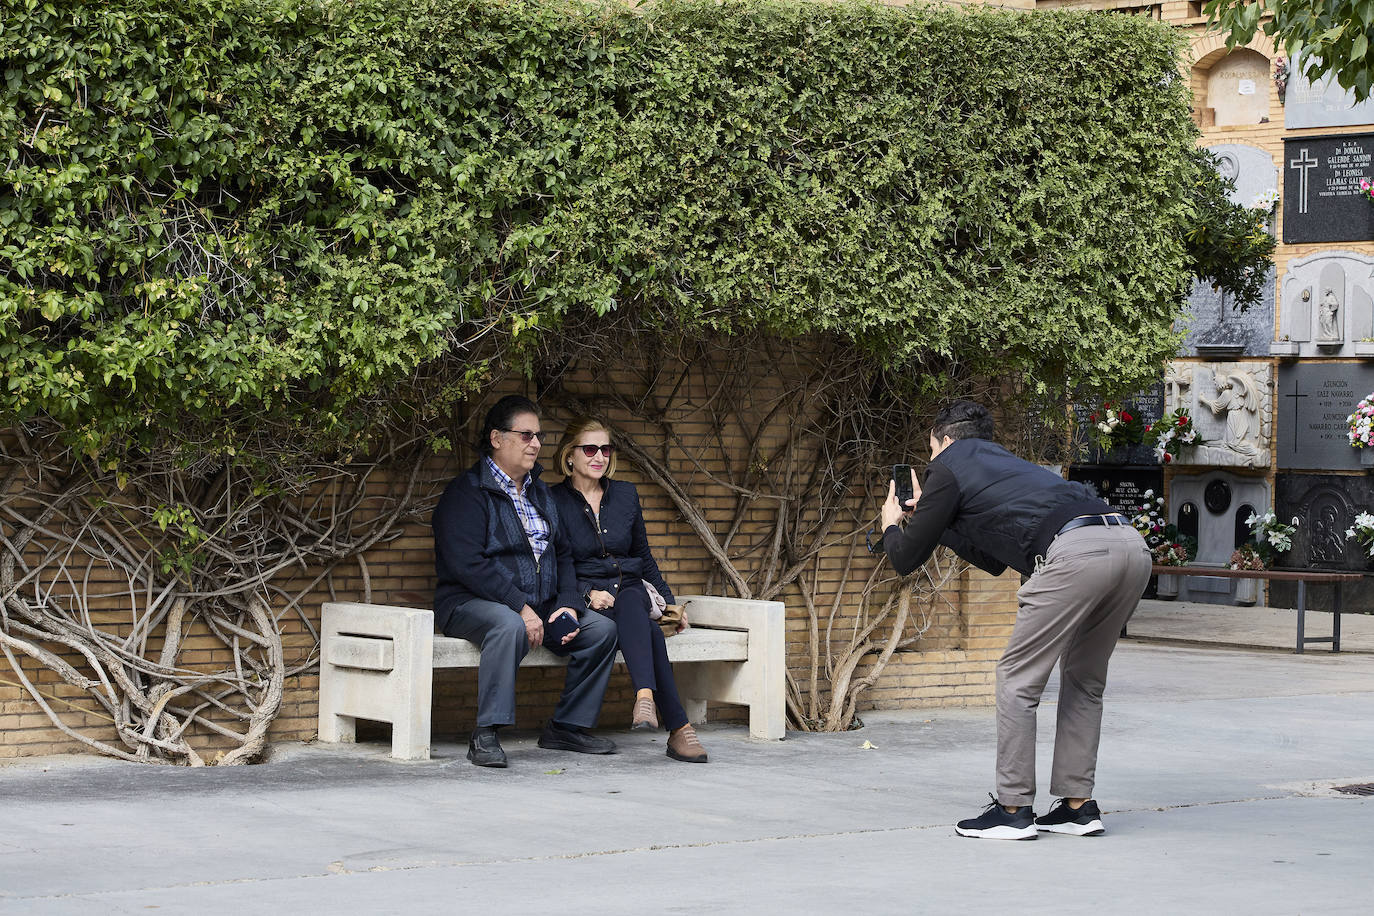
x=1363 y=532
x=1114 y=427
x=1361 y=423
x=1172 y=433
x=1270 y=537
x=1247 y=556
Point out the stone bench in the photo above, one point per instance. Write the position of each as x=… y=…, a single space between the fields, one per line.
x=377 y=662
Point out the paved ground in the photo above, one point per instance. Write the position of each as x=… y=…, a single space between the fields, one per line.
x=1192 y=622
x=1215 y=774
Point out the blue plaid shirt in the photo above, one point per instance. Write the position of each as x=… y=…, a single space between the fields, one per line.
x=536 y=528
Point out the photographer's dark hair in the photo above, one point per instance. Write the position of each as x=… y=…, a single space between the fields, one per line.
x=501 y=415
x=964 y=420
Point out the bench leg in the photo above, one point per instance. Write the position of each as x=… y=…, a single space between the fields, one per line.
x=1302 y=615
x=1336 y=619
x=338 y=729
x=695 y=709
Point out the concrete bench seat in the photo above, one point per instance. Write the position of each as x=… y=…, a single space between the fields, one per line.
x=377 y=662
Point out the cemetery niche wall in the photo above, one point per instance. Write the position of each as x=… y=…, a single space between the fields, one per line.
x=1328 y=305
x=1214 y=327
x=1230 y=405
x=1321 y=189
x=1321 y=104
x=1213 y=508
x=1325 y=506
x=1314 y=400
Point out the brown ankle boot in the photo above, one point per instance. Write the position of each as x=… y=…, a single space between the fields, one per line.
x=683 y=745
x=646 y=716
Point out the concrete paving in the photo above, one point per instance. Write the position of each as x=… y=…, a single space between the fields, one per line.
x=1256 y=627
x=1216 y=776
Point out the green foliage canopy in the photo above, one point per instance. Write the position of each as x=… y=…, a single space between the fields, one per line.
x=1331 y=37
x=233 y=221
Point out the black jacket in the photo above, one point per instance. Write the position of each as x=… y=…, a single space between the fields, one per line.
x=481 y=549
x=618 y=552
x=990 y=507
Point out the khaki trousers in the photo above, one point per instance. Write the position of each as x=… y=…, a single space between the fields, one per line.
x=1071 y=613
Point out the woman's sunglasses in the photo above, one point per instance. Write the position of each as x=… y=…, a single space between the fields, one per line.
x=591 y=450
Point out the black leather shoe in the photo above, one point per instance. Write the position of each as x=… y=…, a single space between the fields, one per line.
x=484 y=749
x=556 y=737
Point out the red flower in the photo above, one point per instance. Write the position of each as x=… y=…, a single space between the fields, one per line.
x=1092 y=417
x=1182 y=421
x=1168 y=457
x=1125 y=417
x=1149 y=426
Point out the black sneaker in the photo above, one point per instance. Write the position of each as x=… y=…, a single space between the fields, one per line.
x=559 y=737
x=1086 y=821
x=484 y=748
x=997 y=823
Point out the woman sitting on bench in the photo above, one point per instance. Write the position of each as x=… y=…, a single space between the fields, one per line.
x=611 y=556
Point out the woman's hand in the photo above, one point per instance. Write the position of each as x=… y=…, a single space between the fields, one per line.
x=598 y=600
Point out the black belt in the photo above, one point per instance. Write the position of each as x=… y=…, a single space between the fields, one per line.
x=1114 y=518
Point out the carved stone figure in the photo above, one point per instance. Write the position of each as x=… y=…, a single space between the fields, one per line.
x=1328 y=536
x=1238 y=398
x=1329 y=317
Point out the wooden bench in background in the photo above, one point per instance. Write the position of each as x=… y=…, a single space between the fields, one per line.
x=1300 y=576
x=377 y=662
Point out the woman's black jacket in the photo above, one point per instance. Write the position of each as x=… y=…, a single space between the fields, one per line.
x=609 y=556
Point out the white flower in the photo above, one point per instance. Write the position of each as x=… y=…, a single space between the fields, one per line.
x=1349 y=533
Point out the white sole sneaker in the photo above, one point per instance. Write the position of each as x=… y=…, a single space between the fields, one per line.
x=1001 y=832
x=1091 y=828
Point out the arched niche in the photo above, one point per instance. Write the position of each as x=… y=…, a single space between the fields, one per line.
x=1233 y=88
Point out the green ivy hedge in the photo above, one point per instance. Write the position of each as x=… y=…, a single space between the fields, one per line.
x=224 y=215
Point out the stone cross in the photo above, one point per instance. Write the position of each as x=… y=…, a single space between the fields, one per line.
x=1302 y=163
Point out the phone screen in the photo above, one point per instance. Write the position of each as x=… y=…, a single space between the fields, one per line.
x=901 y=473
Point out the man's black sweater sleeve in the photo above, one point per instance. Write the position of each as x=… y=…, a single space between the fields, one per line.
x=908 y=548
x=966 y=549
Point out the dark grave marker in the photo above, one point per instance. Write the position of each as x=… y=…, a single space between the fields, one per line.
x=1314 y=401
x=1322 y=200
x=1325 y=506
x=1147 y=405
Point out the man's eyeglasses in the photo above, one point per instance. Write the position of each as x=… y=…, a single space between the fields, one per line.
x=590 y=450
x=526 y=436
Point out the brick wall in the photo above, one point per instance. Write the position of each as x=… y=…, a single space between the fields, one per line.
x=961 y=631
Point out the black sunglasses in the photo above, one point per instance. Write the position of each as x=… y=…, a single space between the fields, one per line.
x=526 y=436
x=590 y=450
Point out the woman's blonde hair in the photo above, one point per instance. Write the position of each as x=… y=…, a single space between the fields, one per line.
x=576 y=428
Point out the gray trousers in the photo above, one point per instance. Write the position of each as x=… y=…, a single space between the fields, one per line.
x=1071 y=612
x=500 y=632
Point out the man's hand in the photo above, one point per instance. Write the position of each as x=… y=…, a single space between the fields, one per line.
x=573 y=614
x=534 y=627
x=893 y=511
x=598 y=600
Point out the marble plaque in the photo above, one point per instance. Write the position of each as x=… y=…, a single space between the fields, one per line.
x=1123 y=489
x=1215 y=505
x=1251 y=168
x=1238 y=88
x=1230 y=406
x=1322 y=200
x=1148 y=405
x=1327 y=307
x=1326 y=506
x=1215 y=326
x=1321 y=104
x=1314 y=399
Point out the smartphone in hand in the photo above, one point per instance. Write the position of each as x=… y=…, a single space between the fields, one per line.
x=901 y=475
x=558 y=626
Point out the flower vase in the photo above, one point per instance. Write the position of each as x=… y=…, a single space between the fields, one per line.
x=1367 y=456
x=1166 y=587
x=1247 y=592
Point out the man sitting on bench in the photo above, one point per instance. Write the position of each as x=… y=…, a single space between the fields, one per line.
x=505 y=580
